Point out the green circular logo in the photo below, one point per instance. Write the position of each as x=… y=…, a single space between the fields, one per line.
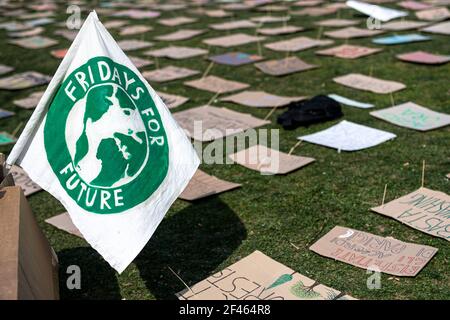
x=104 y=138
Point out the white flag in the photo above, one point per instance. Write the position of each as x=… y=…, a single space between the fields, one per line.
x=105 y=145
x=378 y=12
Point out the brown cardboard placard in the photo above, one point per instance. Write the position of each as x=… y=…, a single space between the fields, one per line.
x=279 y=30
x=22 y=180
x=363 y=82
x=260 y=99
x=177 y=52
x=231 y=25
x=28 y=264
x=215 y=122
x=31 y=101
x=284 y=66
x=68 y=34
x=337 y=23
x=35 y=42
x=434 y=14
x=5 y=69
x=27 y=33
x=6 y=138
x=135 y=29
x=269 y=161
x=176 y=21
x=371 y=252
x=139 y=62
x=204 y=185
x=64 y=222
x=216 y=84
x=439 y=28
x=307 y=3
x=352 y=32
x=296 y=44
x=169 y=73
x=232 y=40
x=217 y=13
x=315 y=12
x=182 y=34
x=403 y=25
x=258 y=277
x=424 y=209
x=413 y=116
x=270 y=19
x=171 y=100
x=114 y=24
x=347 y=51
x=133 y=44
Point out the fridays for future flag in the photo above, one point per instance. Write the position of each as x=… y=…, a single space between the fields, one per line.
x=105 y=145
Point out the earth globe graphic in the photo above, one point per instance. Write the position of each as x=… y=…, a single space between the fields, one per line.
x=106 y=137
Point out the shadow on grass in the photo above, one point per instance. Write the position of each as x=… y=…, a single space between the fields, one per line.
x=193 y=242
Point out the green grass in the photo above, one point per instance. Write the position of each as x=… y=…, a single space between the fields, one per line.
x=270 y=212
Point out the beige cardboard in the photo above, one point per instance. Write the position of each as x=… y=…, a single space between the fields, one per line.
x=352 y=32
x=260 y=99
x=68 y=34
x=314 y=12
x=139 y=62
x=434 y=14
x=403 y=25
x=362 y=82
x=424 y=209
x=258 y=277
x=28 y=265
x=270 y=19
x=29 y=102
x=171 y=100
x=439 y=28
x=35 y=42
x=232 y=40
x=136 y=29
x=114 y=24
x=371 y=252
x=203 y=185
x=337 y=23
x=64 y=222
x=297 y=44
x=177 y=52
x=269 y=161
x=169 y=73
x=284 y=66
x=307 y=3
x=5 y=69
x=237 y=24
x=347 y=51
x=22 y=180
x=216 y=85
x=279 y=30
x=413 y=116
x=177 y=21
x=129 y=45
x=216 y=123
x=217 y=13
x=183 y=34
x=24 y=80
x=27 y=33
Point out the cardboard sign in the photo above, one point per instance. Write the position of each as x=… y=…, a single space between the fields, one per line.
x=339 y=23
x=26 y=33
x=5 y=69
x=30 y=102
x=237 y=24
x=284 y=66
x=279 y=30
x=347 y=51
x=177 y=52
x=176 y=21
x=366 y=83
x=423 y=57
x=350 y=102
x=129 y=45
x=400 y=39
x=216 y=123
x=139 y=62
x=64 y=222
x=24 y=80
x=235 y=58
x=296 y=44
x=169 y=73
x=414 y=5
x=315 y=12
x=258 y=277
x=307 y=3
x=434 y=14
x=28 y=264
x=67 y=34
x=269 y=161
x=380 y=13
x=348 y=136
x=137 y=14
x=204 y=185
x=270 y=19
x=22 y=180
x=372 y=252
x=413 y=116
x=59 y=54
x=172 y=101
x=115 y=24
x=14 y=26
x=216 y=85
x=36 y=42
x=424 y=209
x=6 y=139
x=260 y=99
x=39 y=22
x=403 y=25
x=232 y=40
x=439 y=28
x=352 y=32
x=5 y=113
x=217 y=13
x=180 y=35
x=136 y=29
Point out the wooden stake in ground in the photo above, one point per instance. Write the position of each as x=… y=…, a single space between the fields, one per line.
x=179 y=278
x=295 y=146
x=423 y=173
x=384 y=194
x=208 y=69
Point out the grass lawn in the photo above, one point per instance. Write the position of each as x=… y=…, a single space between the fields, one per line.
x=270 y=213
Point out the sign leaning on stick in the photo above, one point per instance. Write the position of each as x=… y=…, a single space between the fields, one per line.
x=105 y=145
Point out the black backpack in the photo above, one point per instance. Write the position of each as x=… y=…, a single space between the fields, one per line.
x=303 y=113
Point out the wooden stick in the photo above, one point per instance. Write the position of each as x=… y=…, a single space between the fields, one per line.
x=208 y=69
x=189 y=288
x=270 y=112
x=423 y=173
x=392 y=99
x=16 y=130
x=384 y=194
x=213 y=98
x=295 y=146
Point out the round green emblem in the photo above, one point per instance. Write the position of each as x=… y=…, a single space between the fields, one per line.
x=104 y=138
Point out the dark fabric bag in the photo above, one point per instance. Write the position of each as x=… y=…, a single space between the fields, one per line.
x=304 y=113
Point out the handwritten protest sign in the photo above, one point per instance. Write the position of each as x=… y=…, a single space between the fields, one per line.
x=337 y=23
x=296 y=44
x=63 y=222
x=216 y=84
x=237 y=24
x=22 y=180
x=171 y=100
x=424 y=209
x=183 y=34
x=24 y=80
x=176 y=52
x=258 y=277
x=169 y=73
x=371 y=252
x=352 y=32
x=176 y=21
x=363 y=82
x=279 y=30
x=347 y=51
x=260 y=99
x=423 y=57
x=129 y=45
x=235 y=58
x=284 y=66
x=35 y=42
x=232 y=40
x=29 y=102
